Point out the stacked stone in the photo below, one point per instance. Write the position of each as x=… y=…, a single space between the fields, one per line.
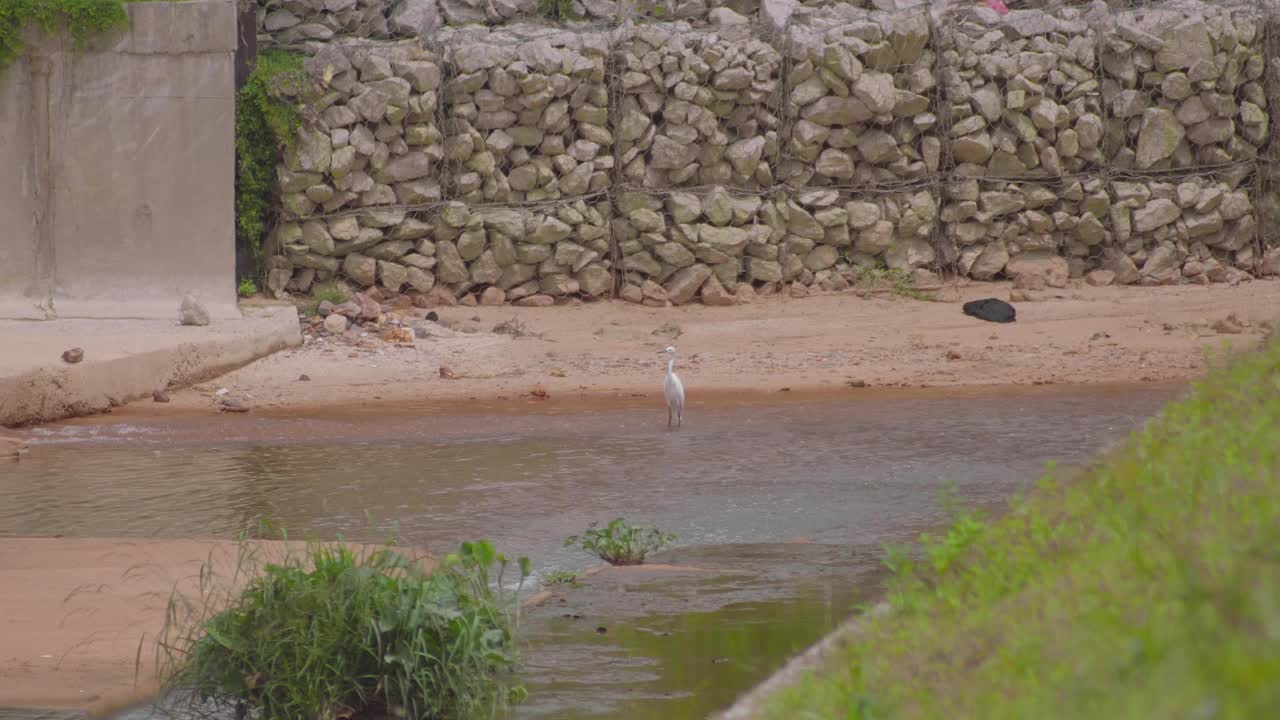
x=684 y=245
x=527 y=114
x=511 y=254
x=860 y=99
x=299 y=21
x=369 y=140
x=697 y=107
x=1021 y=94
x=1194 y=229
x=1183 y=86
x=994 y=227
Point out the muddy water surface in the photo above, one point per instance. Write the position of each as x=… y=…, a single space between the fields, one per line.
x=739 y=484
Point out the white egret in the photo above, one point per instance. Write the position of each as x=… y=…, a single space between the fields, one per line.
x=673 y=389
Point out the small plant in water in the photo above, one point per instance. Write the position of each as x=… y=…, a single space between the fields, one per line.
x=620 y=543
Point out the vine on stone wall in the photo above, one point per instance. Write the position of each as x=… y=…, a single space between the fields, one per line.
x=265 y=126
x=80 y=18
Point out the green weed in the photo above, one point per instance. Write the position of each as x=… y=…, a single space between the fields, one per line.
x=332 y=633
x=620 y=543
x=331 y=291
x=266 y=124
x=247 y=288
x=561 y=577
x=557 y=9
x=80 y=18
x=897 y=282
x=1146 y=586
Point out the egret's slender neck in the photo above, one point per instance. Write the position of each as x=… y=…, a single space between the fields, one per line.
x=671 y=365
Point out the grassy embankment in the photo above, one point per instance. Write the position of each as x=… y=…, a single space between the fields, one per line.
x=1148 y=587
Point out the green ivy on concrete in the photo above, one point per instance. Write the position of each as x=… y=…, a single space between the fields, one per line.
x=81 y=18
x=265 y=126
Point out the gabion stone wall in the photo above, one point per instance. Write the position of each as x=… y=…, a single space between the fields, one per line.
x=527 y=114
x=861 y=99
x=672 y=151
x=697 y=107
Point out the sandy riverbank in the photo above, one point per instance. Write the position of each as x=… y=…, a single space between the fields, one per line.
x=1077 y=335
x=82 y=615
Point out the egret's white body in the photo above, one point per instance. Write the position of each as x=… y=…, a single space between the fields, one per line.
x=673 y=389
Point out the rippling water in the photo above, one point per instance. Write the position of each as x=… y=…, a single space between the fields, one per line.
x=848 y=472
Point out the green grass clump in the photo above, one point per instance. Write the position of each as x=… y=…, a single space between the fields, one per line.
x=331 y=291
x=80 y=18
x=329 y=633
x=897 y=282
x=561 y=577
x=557 y=9
x=247 y=288
x=620 y=543
x=266 y=124
x=1148 y=587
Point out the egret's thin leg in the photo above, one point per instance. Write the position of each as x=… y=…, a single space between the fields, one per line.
x=668 y=416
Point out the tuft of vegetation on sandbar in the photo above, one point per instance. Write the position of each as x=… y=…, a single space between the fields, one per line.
x=1149 y=587
x=621 y=543
x=331 y=632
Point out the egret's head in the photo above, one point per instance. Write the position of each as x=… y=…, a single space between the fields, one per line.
x=670 y=352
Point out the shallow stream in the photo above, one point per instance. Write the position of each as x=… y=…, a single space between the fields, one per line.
x=783 y=507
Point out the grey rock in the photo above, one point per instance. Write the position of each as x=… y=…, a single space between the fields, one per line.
x=685 y=283
x=1156 y=214
x=192 y=312
x=360 y=268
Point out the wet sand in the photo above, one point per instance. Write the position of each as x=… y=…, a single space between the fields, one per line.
x=605 y=352
x=81 y=615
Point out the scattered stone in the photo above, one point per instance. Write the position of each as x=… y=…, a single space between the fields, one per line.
x=335 y=324
x=192 y=312
x=73 y=356
x=714 y=294
x=1100 y=278
x=229 y=404
x=536 y=301
x=1230 y=325
x=668 y=330
x=160 y=396
x=304 y=378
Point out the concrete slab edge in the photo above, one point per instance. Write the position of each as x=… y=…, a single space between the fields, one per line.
x=56 y=393
x=42 y=714
x=750 y=706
